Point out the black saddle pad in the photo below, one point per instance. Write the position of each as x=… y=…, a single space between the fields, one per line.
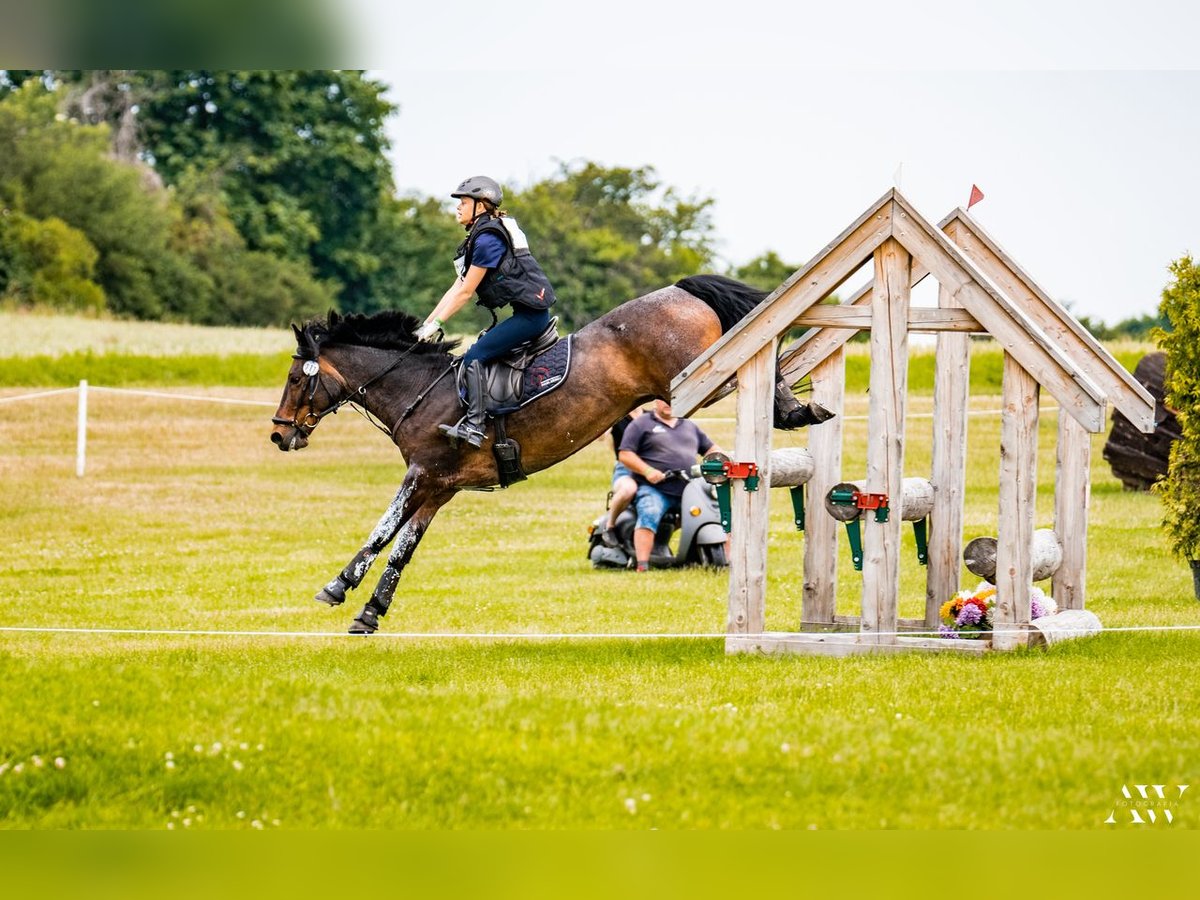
x=547 y=371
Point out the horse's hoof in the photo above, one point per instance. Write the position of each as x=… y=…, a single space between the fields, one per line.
x=333 y=594
x=366 y=622
x=819 y=413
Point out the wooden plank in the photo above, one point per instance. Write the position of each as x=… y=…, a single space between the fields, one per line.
x=1018 y=487
x=859 y=319
x=704 y=376
x=1011 y=328
x=748 y=539
x=1072 y=494
x=842 y=644
x=819 y=595
x=951 y=399
x=885 y=436
x=1124 y=391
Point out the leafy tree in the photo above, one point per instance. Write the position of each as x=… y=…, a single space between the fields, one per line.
x=46 y=262
x=607 y=235
x=765 y=272
x=300 y=155
x=1180 y=489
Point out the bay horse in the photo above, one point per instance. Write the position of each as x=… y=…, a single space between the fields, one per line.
x=626 y=357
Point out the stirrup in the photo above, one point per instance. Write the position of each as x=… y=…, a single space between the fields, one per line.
x=462 y=431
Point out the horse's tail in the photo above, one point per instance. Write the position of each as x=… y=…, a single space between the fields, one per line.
x=730 y=300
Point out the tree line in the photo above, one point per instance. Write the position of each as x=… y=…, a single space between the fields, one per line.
x=262 y=197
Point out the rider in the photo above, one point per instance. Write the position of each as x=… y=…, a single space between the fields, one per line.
x=494 y=263
x=655 y=443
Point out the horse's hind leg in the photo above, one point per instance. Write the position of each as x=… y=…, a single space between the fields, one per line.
x=389 y=524
x=367 y=621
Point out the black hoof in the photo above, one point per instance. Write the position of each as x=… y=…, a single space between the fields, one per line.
x=819 y=413
x=367 y=622
x=333 y=594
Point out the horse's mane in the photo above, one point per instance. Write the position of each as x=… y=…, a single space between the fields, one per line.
x=388 y=330
x=730 y=300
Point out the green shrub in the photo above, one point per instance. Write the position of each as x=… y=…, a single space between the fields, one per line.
x=1180 y=489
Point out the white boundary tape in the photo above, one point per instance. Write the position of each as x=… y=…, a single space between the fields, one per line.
x=485 y=636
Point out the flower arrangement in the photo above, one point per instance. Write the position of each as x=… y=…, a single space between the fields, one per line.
x=968 y=614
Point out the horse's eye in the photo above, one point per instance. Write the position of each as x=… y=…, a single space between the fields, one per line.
x=293 y=379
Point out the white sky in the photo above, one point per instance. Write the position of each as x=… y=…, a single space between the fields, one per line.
x=796 y=120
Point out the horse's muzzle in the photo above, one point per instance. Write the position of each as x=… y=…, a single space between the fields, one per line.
x=288 y=437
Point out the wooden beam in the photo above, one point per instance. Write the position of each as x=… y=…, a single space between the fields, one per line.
x=1072 y=493
x=859 y=319
x=703 y=377
x=1012 y=329
x=1126 y=392
x=819 y=598
x=1018 y=491
x=885 y=438
x=951 y=395
x=748 y=540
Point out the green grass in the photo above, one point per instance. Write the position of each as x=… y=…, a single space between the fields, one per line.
x=189 y=518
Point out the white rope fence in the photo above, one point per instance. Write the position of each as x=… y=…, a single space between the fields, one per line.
x=82 y=414
x=494 y=636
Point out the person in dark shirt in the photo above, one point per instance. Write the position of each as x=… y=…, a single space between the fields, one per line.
x=653 y=445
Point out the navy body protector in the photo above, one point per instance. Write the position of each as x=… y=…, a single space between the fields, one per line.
x=517 y=279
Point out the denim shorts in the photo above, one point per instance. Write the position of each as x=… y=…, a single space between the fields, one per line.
x=620 y=470
x=651 y=504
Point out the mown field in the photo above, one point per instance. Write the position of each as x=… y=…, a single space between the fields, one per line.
x=189 y=519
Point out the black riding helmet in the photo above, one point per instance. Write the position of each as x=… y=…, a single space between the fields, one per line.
x=480 y=187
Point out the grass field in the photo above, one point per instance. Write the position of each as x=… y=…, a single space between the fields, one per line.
x=189 y=518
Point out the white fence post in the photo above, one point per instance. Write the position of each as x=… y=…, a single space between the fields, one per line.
x=81 y=432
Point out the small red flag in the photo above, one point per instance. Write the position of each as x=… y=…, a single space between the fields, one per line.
x=976 y=196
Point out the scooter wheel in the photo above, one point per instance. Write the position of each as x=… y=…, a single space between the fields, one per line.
x=713 y=555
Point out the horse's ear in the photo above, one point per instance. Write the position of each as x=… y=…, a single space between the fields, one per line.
x=299 y=334
x=333 y=319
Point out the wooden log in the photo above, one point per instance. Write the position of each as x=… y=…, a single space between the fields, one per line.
x=791 y=466
x=1138 y=459
x=951 y=397
x=1063 y=625
x=1072 y=497
x=1018 y=485
x=890 y=298
x=819 y=597
x=1045 y=557
x=916 y=500
x=748 y=542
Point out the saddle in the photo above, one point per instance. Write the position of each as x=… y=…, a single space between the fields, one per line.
x=526 y=372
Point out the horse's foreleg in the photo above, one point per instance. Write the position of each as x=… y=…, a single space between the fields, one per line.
x=367 y=621
x=390 y=523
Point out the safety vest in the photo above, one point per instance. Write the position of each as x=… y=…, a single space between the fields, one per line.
x=517 y=278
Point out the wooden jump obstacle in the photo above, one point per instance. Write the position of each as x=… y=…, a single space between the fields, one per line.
x=981 y=291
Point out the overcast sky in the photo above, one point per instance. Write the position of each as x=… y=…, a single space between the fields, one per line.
x=794 y=121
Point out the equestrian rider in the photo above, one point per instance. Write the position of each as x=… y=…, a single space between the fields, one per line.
x=495 y=265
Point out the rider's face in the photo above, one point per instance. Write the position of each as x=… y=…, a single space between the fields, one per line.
x=663 y=408
x=465 y=211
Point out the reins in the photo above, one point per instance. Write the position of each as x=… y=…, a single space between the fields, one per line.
x=354 y=396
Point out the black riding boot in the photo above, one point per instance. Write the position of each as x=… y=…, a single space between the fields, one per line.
x=470 y=427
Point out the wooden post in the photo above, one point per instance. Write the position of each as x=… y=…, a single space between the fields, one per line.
x=748 y=540
x=819 y=603
x=1018 y=493
x=951 y=395
x=1072 y=493
x=885 y=438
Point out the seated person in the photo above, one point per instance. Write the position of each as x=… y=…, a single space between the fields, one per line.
x=623 y=486
x=654 y=444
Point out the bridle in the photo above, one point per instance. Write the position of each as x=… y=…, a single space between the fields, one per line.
x=312 y=368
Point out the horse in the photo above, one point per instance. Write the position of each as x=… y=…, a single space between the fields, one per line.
x=625 y=357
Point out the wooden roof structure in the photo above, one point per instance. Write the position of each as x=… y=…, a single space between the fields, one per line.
x=981 y=290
